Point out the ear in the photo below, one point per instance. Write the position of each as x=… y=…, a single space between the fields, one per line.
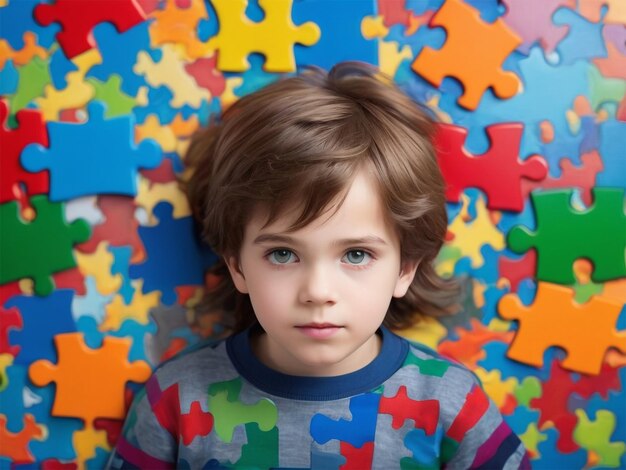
x=236 y=273
x=407 y=274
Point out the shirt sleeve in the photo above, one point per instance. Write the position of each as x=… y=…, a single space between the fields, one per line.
x=147 y=439
x=480 y=438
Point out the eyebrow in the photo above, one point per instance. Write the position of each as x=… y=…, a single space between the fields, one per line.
x=276 y=238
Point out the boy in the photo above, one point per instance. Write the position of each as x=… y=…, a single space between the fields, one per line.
x=322 y=196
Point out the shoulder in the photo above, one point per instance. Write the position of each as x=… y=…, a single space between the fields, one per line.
x=204 y=362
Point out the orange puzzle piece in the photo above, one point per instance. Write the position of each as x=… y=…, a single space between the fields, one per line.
x=473 y=53
x=585 y=331
x=15 y=445
x=89 y=382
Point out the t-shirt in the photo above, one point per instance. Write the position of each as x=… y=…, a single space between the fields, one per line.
x=218 y=406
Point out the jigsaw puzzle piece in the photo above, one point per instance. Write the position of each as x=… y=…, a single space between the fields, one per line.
x=401 y=408
x=39 y=248
x=98 y=266
x=229 y=412
x=119 y=227
x=92 y=304
x=550 y=457
x=593 y=10
x=178 y=25
x=595 y=436
x=498 y=172
x=169 y=71
x=556 y=218
x=78 y=18
x=43 y=318
x=11 y=320
x=554 y=319
x=15 y=446
x=584 y=41
x=16 y=18
x=119 y=55
x=478 y=64
x=113 y=161
x=22 y=56
x=184 y=266
x=274 y=36
x=110 y=93
x=612 y=145
x=581 y=177
x=532 y=20
x=31 y=129
x=343 y=26
x=357 y=431
x=471 y=235
x=261 y=448
x=90 y=383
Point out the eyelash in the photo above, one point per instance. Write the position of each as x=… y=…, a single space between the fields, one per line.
x=353 y=266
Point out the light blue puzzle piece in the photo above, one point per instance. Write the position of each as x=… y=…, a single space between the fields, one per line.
x=96 y=157
x=584 y=40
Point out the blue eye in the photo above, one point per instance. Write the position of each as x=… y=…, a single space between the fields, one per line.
x=280 y=256
x=357 y=257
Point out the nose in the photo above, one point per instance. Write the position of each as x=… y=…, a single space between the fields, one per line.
x=318 y=286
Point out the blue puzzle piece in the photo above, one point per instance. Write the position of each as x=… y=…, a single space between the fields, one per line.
x=326 y=461
x=552 y=458
x=11 y=399
x=255 y=78
x=121 y=264
x=9 y=79
x=166 y=268
x=423 y=37
x=521 y=418
x=43 y=318
x=119 y=54
x=341 y=37
x=425 y=448
x=138 y=332
x=490 y=10
x=584 y=41
x=96 y=157
x=359 y=430
x=487 y=272
x=591 y=134
x=60 y=66
x=16 y=18
x=496 y=359
x=613 y=153
x=565 y=145
x=158 y=105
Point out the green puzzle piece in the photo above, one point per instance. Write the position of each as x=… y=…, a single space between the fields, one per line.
x=565 y=234
x=39 y=248
x=229 y=412
x=596 y=436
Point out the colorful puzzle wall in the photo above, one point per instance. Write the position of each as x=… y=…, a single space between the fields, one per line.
x=100 y=263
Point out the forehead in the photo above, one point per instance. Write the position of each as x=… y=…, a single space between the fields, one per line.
x=357 y=212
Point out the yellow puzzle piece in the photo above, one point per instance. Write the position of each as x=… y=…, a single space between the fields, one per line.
x=274 y=37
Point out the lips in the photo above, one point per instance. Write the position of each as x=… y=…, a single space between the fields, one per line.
x=319 y=330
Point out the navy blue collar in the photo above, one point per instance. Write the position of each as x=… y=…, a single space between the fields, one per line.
x=391 y=357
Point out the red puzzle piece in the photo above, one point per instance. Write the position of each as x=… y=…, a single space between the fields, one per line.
x=9 y=319
x=498 y=172
x=31 y=129
x=582 y=177
x=119 y=228
x=78 y=18
x=424 y=413
x=357 y=458
x=195 y=423
x=516 y=270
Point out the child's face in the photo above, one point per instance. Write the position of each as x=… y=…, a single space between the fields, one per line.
x=320 y=293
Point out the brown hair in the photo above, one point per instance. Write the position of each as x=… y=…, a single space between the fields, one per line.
x=302 y=139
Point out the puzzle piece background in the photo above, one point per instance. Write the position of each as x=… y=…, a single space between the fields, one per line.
x=559 y=84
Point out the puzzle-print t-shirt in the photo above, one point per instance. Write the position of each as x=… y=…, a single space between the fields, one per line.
x=218 y=406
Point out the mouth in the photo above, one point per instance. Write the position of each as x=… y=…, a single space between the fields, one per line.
x=319 y=330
